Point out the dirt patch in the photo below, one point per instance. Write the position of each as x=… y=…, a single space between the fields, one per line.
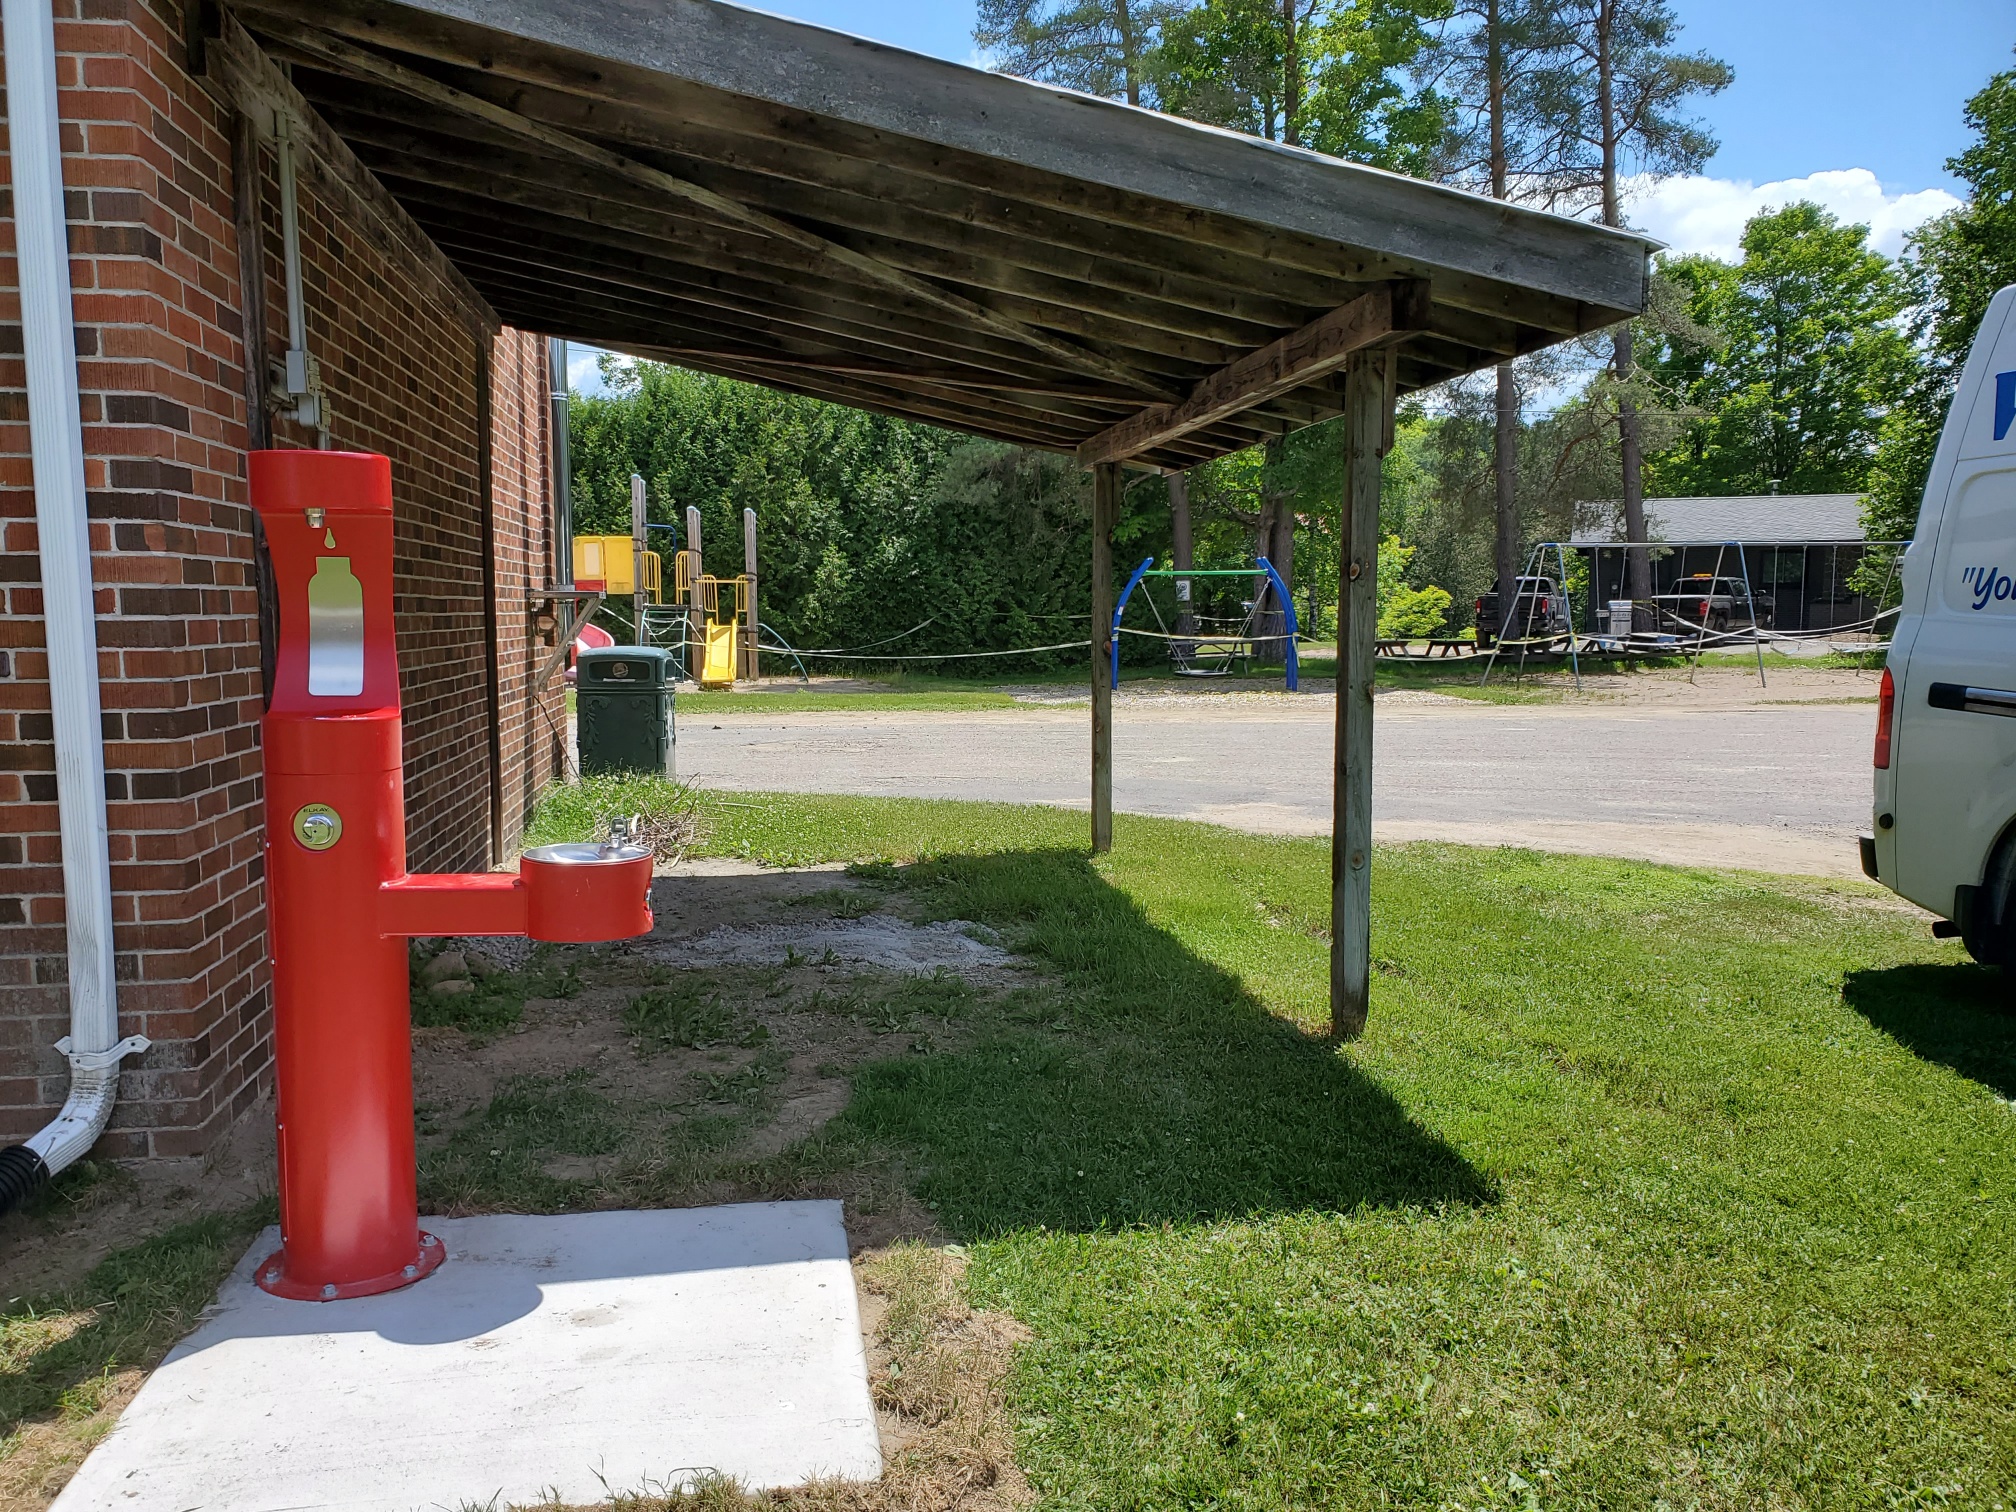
x=878 y=940
x=693 y=1064
x=1418 y=698
x=96 y=1207
x=1712 y=687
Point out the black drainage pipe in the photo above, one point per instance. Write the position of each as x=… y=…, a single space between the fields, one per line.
x=22 y=1175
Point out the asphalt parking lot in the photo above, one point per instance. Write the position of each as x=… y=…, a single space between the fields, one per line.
x=1718 y=776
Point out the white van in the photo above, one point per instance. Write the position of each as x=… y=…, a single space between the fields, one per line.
x=1945 y=833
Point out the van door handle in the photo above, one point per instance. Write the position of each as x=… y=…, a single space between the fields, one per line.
x=1967 y=700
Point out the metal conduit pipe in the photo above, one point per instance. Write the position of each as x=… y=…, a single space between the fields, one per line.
x=563 y=498
x=304 y=376
x=56 y=443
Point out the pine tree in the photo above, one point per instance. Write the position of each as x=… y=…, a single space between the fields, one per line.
x=1621 y=96
x=1100 y=47
x=1499 y=61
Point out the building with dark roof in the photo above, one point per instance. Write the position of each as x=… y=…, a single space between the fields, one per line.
x=1799 y=552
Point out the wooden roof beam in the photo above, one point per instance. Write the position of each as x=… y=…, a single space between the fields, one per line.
x=1319 y=348
x=845 y=367
x=767 y=310
x=1074 y=282
x=987 y=131
x=617 y=228
x=357 y=62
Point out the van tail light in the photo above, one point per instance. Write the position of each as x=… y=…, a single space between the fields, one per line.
x=1886 y=710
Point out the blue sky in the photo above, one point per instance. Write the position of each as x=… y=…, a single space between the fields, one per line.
x=1819 y=83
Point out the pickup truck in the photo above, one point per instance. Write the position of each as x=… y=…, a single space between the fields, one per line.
x=1720 y=603
x=1539 y=611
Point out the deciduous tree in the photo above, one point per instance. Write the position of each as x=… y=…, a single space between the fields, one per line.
x=1811 y=358
x=1331 y=75
x=1952 y=268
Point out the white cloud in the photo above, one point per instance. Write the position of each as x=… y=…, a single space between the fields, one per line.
x=1700 y=214
x=584 y=372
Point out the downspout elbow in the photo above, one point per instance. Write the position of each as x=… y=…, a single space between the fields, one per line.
x=67 y=1138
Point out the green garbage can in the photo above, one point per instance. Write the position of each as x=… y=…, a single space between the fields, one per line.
x=623 y=711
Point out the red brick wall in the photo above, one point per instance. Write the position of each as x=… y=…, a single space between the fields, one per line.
x=155 y=263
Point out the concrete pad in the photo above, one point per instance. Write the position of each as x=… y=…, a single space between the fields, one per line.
x=586 y=1354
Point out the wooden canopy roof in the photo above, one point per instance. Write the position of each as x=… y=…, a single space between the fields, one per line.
x=750 y=196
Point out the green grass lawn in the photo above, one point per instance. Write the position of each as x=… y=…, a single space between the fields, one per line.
x=1647 y=1188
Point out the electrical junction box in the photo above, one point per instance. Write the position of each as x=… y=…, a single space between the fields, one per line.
x=623 y=711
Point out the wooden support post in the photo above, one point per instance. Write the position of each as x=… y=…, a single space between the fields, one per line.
x=640 y=543
x=696 y=611
x=1368 y=414
x=1105 y=517
x=751 y=621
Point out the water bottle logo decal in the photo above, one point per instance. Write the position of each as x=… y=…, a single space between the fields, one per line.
x=1986 y=585
x=335 y=630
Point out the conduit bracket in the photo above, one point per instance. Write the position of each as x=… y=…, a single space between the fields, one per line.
x=101 y=1060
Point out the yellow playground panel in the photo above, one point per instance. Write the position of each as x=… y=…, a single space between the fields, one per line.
x=717 y=669
x=719 y=616
x=607 y=564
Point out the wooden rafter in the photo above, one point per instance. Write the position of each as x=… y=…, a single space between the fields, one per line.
x=910 y=118
x=1074 y=286
x=357 y=62
x=1319 y=348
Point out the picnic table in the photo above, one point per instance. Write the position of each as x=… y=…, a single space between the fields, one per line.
x=1404 y=649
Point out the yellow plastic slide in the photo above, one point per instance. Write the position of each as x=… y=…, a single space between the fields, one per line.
x=717 y=669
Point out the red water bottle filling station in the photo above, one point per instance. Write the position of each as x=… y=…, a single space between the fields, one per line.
x=341 y=905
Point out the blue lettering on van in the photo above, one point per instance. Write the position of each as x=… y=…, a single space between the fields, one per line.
x=1988 y=585
x=2005 y=404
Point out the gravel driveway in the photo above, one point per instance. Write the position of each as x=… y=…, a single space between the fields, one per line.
x=1765 y=787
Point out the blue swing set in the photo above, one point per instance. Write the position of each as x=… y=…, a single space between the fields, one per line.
x=1192 y=654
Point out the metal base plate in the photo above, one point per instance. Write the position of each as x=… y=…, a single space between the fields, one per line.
x=272 y=1276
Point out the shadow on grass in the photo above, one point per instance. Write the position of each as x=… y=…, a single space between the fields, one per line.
x=1959 y=1016
x=1154 y=1087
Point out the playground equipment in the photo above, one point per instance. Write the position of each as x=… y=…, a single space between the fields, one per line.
x=340 y=903
x=710 y=623
x=1193 y=655
x=720 y=629
x=1681 y=630
x=607 y=564
x=722 y=604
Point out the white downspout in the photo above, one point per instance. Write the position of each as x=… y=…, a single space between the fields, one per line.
x=56 y=442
